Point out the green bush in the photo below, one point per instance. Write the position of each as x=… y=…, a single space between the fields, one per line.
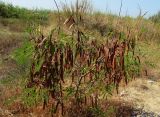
x=23 y=55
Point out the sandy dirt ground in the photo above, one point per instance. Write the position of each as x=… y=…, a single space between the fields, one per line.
x=144 y=94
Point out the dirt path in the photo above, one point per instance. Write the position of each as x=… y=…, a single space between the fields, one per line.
x=144 y=94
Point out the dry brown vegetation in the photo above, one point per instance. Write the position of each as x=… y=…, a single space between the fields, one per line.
x=76 y=69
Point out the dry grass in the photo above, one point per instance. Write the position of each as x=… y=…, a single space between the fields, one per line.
x=150 y=55
x=9 y=40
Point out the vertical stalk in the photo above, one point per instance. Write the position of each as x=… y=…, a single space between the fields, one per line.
x=59 y=19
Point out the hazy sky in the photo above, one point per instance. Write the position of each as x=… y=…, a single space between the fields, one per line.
x=130 y=7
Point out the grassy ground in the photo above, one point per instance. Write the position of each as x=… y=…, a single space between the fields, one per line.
x=150 y=58
x=13 y=33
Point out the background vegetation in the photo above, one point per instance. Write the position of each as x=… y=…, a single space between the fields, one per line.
x=10 y=11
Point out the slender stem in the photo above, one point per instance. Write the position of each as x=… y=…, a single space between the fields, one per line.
x=59 y=19
x=121 y=8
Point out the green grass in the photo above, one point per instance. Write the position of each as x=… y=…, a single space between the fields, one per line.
x=10 y=11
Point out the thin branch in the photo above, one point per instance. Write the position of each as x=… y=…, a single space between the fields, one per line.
x=140 y=10
x=121 y=8
x=77 y=11
x=59 y=20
